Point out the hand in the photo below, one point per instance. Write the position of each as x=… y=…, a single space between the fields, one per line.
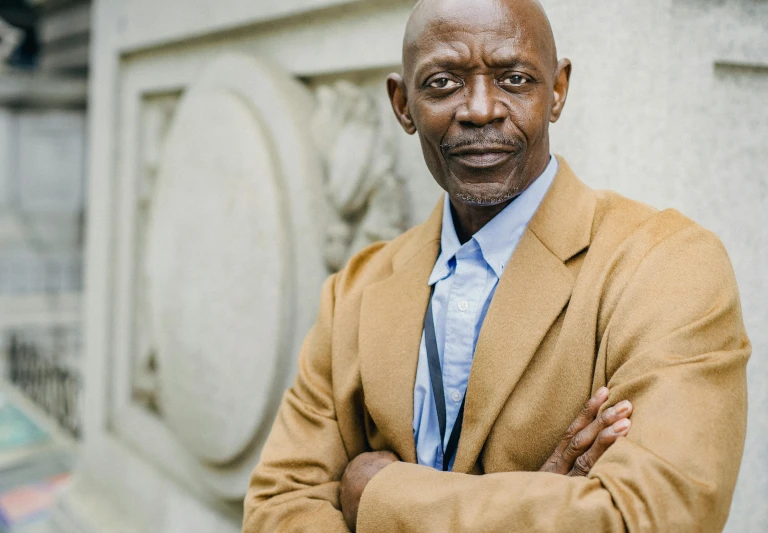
x=589 y=436
x=357 y=475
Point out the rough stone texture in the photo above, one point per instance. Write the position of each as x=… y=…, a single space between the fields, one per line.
x=666 y=107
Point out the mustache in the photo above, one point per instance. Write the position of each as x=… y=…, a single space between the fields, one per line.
x=482 y=138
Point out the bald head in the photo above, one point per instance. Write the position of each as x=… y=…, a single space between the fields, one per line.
x=520 y=20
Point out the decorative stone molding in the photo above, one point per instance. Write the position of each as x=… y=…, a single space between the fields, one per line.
x=157 y=112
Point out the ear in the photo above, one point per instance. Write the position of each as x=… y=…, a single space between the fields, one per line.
x=399 y=100
x=562 y=79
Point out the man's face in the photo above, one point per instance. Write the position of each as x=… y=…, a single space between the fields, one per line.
x=479 y=87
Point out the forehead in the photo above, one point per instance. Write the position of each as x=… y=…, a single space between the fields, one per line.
x=474 y=14
x=495 y=31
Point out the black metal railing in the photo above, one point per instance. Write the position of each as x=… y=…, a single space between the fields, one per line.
x=44 y=379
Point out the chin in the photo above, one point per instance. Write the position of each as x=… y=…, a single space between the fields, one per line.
x=484 y=194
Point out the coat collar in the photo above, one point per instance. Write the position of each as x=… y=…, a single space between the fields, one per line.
x=563 y=222
x=534 y=289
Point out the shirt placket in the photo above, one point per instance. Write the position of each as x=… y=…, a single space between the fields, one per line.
x=461 y=314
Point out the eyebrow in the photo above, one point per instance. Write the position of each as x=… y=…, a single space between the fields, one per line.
x=423 y=68
x=441 y=61
x=506 y=57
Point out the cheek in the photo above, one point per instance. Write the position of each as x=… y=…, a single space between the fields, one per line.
x=432 y=123
x=538 y=111
x=432 y=157
x=433 y=120
x=531 y=117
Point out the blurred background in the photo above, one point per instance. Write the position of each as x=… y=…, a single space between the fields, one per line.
x=177 y=178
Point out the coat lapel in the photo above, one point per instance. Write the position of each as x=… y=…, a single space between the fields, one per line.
x=391 y=323
x=534 y=289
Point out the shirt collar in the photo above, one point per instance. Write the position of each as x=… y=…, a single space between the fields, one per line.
x=499 y=237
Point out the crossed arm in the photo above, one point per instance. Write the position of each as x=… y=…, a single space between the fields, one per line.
x=683 y=368
x=584 y=442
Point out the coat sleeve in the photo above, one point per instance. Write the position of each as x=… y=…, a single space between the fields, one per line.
x=676 y=347
x=295 y=486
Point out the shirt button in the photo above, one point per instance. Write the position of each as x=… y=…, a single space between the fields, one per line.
x=463 y=305
x=456 y=396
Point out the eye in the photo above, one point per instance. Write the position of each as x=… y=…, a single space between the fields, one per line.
x=516 y=80
x=443 y=83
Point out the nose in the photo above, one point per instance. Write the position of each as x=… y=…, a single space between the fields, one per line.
x=480 y=105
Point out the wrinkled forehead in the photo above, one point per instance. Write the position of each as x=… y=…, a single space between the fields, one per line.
x=456 y=30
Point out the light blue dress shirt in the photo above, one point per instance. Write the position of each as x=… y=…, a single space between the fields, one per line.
x=465 y=279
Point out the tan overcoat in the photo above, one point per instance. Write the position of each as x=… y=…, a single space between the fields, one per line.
x=600 y=291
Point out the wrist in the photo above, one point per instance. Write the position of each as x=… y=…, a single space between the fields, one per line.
x=357 y=476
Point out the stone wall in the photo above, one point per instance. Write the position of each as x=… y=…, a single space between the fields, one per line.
x=211 y=135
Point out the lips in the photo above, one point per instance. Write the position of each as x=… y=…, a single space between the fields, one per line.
x=481 y=157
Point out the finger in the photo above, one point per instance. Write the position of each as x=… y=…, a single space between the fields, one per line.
x=605 y=439
x=583 y=440
x=585 y=417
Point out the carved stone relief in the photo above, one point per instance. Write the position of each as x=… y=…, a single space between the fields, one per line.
x=240 y=213
x=229 y=260
x=365 y=193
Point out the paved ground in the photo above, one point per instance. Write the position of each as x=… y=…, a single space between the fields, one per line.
x=35 y=462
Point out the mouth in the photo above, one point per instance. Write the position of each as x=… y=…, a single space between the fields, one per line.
x=481 y=157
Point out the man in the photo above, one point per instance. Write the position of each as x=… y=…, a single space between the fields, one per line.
x=446 y=366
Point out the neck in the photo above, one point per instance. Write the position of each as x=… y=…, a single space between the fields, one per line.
x=469 y=219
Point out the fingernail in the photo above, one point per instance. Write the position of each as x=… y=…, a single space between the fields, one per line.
x=622 y=407
x=602 y=393
x=621 y=426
